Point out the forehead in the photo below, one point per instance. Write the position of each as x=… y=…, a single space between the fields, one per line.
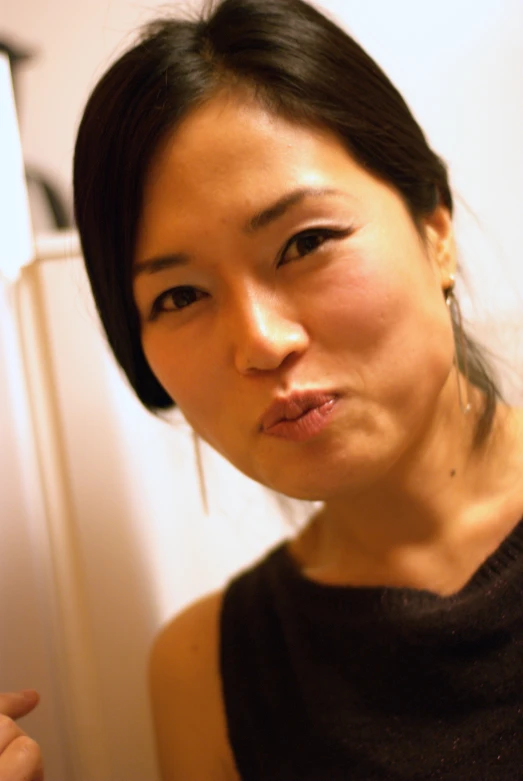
x=230 y=143
x=230 y=158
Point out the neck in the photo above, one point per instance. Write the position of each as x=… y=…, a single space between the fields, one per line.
x=430 y=509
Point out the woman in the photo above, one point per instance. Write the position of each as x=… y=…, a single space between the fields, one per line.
x=20 y=757
x=269 y=241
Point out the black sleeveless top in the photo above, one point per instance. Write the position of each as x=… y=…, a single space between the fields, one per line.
x=336 y=683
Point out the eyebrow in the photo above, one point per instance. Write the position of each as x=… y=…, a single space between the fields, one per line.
x=278 y=209
x=259 y=220
x=160 y=263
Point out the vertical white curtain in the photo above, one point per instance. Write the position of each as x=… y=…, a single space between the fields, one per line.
x=45 y=639
x=16 y=248
x=28 y=647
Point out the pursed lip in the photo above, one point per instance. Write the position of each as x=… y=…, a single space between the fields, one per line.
x=293 y=406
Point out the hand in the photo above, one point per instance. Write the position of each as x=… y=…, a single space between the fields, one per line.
x=20 y=758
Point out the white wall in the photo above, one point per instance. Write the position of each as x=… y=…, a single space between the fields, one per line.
x=75 y=41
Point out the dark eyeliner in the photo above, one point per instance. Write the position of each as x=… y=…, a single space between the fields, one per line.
x=156 y=308
x=327 y=233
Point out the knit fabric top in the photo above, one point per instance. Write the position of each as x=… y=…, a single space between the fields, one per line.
x=345 y=683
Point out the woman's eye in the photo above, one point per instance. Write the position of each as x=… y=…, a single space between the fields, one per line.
x=308 y=242
x=175 y=299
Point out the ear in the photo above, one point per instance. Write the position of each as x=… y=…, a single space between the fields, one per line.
x=441 y=245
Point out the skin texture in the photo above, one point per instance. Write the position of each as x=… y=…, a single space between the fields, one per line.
x=361 y=314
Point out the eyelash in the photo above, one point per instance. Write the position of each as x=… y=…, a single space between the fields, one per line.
x=323 y=233
x=317 y=233
x=158 y=304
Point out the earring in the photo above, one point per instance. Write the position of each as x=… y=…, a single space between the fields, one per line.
x=460 y=342
x=200 y=472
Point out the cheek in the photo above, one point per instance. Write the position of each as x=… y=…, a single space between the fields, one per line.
x=175 y=370
x=355 y=304
x=193 y=383
x=387 y=322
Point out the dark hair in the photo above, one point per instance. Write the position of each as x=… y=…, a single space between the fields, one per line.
x=294 y=61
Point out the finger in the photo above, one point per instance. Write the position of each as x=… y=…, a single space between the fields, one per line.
x=21 y=761
x=9 y=731
x=17 y=704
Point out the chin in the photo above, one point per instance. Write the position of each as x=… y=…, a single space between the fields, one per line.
x=324 y=484
x=340 y=473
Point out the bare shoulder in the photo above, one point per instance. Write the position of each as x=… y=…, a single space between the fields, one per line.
x=186 y=694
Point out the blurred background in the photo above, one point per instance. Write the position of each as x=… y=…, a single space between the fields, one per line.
x=112 y=520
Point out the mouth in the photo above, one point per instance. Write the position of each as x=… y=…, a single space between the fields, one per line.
x=299 y=416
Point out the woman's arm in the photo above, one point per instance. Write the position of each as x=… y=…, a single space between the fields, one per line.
x=185 y=686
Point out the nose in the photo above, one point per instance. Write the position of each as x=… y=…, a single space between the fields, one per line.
x=264 y=334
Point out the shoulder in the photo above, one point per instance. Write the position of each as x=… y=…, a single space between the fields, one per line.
x=186 y=694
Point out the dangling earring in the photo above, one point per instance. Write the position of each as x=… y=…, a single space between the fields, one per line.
x=457 y=322
x=199 y=471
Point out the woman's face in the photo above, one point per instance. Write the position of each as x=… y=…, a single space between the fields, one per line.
x=270 y=266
